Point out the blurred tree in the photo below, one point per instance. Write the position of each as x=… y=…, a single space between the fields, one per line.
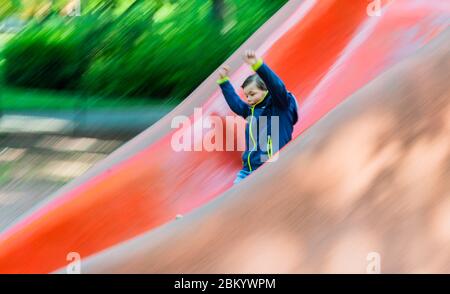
x=218 y=8
x=35 y=8
x=69 y=8
x=8 y=7
x=157 y=48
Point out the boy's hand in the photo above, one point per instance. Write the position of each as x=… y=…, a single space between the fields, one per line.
x=223 y=71
x=250 y=57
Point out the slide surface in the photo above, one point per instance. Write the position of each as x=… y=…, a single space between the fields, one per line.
x=324 y=51
x=366 y=191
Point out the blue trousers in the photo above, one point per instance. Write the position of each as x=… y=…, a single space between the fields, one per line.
x=242 y=174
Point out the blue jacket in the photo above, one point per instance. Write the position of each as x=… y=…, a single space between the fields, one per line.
x=263 y=140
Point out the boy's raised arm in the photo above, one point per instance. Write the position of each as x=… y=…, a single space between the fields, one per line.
x=274 y=84
x=234 y=101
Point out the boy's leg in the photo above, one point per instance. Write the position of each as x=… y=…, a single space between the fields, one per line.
x=242 y=174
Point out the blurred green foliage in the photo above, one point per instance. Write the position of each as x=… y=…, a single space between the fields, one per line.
x=125 y=48
x=7 y=7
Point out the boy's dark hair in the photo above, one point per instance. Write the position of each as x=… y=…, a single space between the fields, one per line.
x=254 y=78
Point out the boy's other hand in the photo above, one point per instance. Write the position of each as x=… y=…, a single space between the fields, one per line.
x=223 y=71
x=250 y=57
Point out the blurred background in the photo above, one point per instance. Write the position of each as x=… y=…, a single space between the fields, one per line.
x=80 y=78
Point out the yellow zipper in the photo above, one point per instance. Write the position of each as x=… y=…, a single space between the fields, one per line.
x=250 y=130
x=269 y=147
x=252 y=138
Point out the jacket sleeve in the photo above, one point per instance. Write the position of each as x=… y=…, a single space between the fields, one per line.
x=274 y=84
x=234 y=101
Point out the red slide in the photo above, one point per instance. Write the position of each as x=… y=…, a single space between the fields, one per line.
x=324 y=51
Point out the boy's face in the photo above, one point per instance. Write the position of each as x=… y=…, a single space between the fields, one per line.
x=253 y=94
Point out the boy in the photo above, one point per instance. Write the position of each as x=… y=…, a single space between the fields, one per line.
x=267 y=97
